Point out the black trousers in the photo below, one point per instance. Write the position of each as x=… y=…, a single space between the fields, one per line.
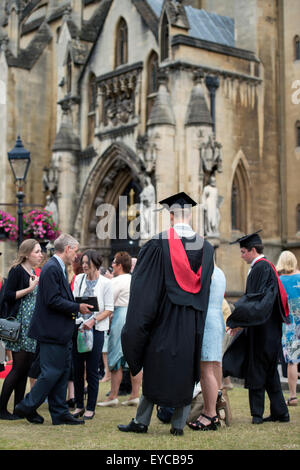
x=88 y=362
x=55 y=362
x=273 y=388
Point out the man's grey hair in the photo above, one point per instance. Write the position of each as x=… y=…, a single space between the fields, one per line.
x=63 y=241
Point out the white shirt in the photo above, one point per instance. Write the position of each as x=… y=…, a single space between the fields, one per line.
x=104 y=293
x=184 y=230
x=254 y=261
x=121 y=289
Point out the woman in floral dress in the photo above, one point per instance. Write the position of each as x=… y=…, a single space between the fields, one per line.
x=290 y=278
x=20 y=294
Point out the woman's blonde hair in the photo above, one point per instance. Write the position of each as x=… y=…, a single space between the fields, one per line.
x=287 y=263
x=26 y=247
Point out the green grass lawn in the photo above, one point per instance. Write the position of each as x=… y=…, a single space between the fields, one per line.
x=101 y=433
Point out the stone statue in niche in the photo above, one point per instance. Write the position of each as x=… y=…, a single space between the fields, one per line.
x=147 y=214
x=146 y=150
x=51 y=206
x=50 y=178
x=50 y=184
x=210 y=164
x=211 y=203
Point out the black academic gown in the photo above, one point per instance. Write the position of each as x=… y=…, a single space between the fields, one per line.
x=253 y=355
x=164 y=325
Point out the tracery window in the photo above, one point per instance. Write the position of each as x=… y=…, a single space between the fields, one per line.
x=69 y=74
x=92 y=98
x=239 y=201
x=152 y=81
x=121 y=53
x=297 y=47
x=298 y=218
x=298 y=134
x=164 y=38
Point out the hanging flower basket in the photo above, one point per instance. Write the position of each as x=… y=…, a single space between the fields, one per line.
x=40 y=225
x=8 y=227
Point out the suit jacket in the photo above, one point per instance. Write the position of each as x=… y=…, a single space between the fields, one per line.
x=55 y=308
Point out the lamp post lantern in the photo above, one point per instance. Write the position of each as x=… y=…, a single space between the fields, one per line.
x=19 y=160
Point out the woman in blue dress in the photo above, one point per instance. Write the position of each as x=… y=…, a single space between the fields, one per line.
x=20 y=295
x=290 y=278
x=211 y=354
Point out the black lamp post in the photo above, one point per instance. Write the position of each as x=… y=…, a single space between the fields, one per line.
x=19 y=160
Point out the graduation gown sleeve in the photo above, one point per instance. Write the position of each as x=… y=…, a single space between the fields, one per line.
x=144 y=302
x=253 y=354
x=256 y=305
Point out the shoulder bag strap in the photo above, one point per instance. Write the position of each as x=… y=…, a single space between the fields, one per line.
x=81 y=282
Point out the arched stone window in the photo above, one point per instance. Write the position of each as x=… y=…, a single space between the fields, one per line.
x=69 y=74
x=298 y=218
x=92 y=98
x=297 y=47
x=298 y=134
x=121 y=52
x=152 y=81
x=164 y=38
x=239 y=203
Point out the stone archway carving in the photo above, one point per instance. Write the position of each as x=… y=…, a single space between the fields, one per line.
x=107 y=179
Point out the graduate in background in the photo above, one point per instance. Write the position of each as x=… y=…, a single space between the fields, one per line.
x=257 y=323
x=166 y=315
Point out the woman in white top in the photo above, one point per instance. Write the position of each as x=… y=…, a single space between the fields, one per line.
x=121 y=290
x=91 y=284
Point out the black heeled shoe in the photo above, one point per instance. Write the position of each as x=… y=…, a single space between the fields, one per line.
x=89 y=417
x=212 y=426
x=79 y=413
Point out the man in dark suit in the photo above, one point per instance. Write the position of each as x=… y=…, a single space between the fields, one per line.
x=52 y=325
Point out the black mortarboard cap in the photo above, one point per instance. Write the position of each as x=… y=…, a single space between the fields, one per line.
x=249 y=240
x=177 y=201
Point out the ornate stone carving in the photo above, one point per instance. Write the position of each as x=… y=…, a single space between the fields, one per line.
x=177 y=14
x=210 y=157
x=118 y=98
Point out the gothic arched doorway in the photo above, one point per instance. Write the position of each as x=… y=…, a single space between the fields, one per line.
x=124 y=216
x=117 y=172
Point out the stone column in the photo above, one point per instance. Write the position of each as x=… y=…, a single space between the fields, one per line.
x=212 y=84
x=65 y=152
x=161 y=129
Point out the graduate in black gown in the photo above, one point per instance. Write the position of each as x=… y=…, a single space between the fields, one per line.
x=166 y=315
x=256 y=323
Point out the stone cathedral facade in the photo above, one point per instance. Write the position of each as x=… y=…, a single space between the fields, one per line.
x=151 y=97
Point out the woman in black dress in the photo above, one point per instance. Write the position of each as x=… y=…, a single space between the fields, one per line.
x=20 y=293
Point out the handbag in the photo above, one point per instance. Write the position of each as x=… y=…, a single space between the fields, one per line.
x=85 y=340
x=9 y=329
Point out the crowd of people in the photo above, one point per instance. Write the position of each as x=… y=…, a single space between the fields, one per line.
x=162 y=314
